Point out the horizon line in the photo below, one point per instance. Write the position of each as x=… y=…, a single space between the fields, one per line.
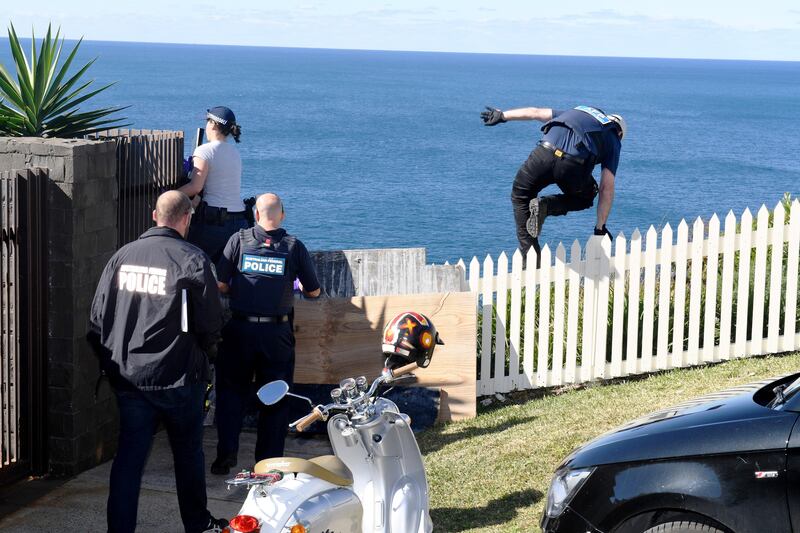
x=419 y=51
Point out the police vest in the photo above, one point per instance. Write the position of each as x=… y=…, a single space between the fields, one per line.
x=588 y=123
x=264 y=282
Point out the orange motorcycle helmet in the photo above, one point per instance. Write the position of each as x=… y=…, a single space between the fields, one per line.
x=409 y=337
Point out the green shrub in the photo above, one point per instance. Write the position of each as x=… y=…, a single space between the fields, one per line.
x=42 y=101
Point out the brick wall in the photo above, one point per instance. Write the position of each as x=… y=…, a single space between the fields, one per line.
x=82 y=236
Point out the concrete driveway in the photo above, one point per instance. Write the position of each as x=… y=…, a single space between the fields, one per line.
x=79 y=504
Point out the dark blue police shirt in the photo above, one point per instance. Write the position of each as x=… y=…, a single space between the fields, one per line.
x=268 y=297
x=573 y=144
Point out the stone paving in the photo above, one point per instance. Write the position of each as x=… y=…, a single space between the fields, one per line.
x=79 y=504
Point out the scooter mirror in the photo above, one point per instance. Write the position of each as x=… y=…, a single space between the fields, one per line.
x=273 y=392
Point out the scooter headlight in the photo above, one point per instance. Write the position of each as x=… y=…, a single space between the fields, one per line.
x=564 y=486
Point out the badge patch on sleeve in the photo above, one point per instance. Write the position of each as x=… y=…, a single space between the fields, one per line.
x=264 y=266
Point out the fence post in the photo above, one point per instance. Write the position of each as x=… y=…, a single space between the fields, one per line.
x=559 y=308
x=665 y=278
x=759 y=282
x=500 y=379
x=726 y=289
x=679 y=308
x=709 y=325
x=591 y=268
x=649 y=299
x=529 y=338
x=620 y=256
x=695 y=288
x=793 y=258
x=743 y=293
x=542 y=365
x=485 y=386
x=776 y=263
x=601 y=303
x=634 y=282
x=516 y=320
x=575 y=270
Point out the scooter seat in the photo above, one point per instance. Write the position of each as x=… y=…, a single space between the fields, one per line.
x=325 y=467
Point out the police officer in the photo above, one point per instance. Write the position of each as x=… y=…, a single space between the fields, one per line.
x=217 y=174
x=155 y=316
x=258 y=269
x=574 y=141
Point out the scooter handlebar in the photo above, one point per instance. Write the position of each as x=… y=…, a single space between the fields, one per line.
x=407 y=369
x=302 y=424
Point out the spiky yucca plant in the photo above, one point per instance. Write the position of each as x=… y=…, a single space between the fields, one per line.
x=40 y=103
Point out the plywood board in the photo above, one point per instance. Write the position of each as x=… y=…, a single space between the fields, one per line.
x=341 y=337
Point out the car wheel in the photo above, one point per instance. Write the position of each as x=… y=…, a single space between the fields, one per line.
x=683 y=527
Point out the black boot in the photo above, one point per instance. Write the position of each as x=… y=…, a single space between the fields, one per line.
x=222 y=465
x=216 y=525
x=538 y=208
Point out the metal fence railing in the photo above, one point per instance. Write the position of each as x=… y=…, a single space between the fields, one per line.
x=149 y=162
x=23 y=322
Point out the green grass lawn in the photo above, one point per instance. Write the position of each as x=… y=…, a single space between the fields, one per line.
x=492 y=473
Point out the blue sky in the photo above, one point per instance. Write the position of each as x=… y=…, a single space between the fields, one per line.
x=768 y=29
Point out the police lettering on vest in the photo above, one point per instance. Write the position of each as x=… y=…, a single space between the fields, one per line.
x=268 y=266
x=142 y=279
x=263 y=284
x=598 y=115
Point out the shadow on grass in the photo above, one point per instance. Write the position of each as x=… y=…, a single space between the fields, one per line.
x=494 y=513
x=433 y=439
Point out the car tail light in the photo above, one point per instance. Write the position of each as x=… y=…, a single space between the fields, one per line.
x=244 y=524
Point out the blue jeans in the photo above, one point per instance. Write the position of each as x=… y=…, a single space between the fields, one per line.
x=212 y=238
x=181 y=411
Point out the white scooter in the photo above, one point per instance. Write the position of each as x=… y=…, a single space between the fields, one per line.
x=375 y=482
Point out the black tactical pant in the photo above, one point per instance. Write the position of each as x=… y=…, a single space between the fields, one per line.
x=248 y=348
x=543 y=168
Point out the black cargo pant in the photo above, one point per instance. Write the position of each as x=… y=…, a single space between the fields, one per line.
x=248 y=348
x=543 y=168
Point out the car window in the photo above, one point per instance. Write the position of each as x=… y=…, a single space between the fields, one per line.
x=791 y=389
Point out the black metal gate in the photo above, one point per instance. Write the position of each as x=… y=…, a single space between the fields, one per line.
x=23 y=323
x=149 y=162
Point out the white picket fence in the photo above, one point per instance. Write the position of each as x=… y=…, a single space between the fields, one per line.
x=568 y=322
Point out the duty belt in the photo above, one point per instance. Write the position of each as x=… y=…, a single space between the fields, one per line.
x=276 y=319
x=220 y=215
x=558 y=152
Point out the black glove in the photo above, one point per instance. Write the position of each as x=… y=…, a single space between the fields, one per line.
x=492 y=116
x=602 y=231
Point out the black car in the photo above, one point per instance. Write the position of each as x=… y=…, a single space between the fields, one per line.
x=728 y=462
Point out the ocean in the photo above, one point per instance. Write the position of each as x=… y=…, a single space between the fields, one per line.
x=374 y=149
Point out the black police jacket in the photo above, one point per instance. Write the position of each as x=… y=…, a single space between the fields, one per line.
x=156 y=312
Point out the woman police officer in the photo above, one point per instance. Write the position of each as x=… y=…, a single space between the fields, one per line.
x=217 y=174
